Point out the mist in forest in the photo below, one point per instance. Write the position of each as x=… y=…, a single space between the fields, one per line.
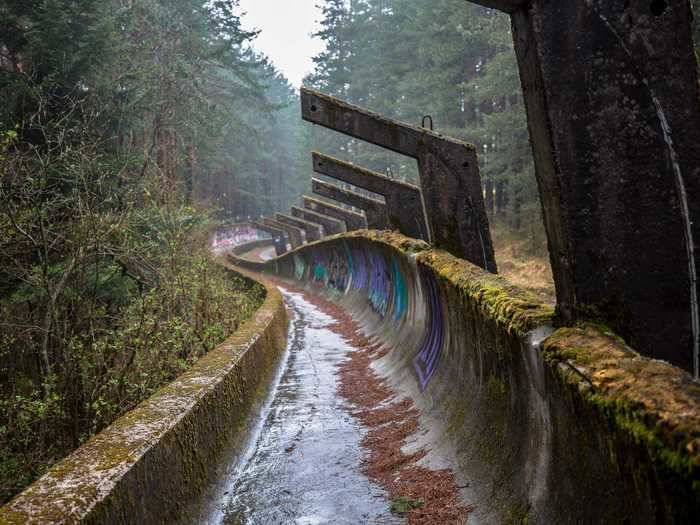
x=130 y=130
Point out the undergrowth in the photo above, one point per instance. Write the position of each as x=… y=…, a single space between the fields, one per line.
x=146 y=321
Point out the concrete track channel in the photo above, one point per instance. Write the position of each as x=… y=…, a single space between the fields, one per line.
x=302 y=464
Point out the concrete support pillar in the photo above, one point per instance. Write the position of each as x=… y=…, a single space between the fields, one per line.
x=449 y=172
x=404 y=202
x=278 y=236
x=375 y=210
x=314 y=231
x=297 y=236
x=611 y=92
x=331 y=225
x=353 y=221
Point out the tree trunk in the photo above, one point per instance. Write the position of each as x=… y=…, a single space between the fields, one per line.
x=488 y=198
x=501 y=198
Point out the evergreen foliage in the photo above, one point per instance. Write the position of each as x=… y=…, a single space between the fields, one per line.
x=448 y=59
x=126 y=128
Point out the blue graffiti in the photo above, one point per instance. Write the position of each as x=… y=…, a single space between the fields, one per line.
x=380 y=292
x=400 y=291
x=360 y=274
x=428 y=358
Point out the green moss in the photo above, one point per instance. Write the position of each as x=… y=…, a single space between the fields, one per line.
x=404 y=505
x=517 y=514
x=655 y=404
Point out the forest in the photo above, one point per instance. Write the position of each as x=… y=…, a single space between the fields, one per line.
x=131 y=129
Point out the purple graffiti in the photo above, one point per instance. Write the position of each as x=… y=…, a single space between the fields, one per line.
x=428 y=358
x=360 y=274
x=380 y=291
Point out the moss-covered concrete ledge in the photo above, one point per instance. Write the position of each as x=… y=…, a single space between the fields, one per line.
x=150 y=463
x=570 y=428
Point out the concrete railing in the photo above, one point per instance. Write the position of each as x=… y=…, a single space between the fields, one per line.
x=151 y=463
x=543 y=426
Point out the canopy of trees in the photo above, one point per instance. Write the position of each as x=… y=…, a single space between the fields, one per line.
x=124 y=126
x=448 y=59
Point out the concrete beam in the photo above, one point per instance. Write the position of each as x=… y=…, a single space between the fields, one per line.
x=613 y=109
x=353 y=221
x=449 y=172
x=509 y=6
x=375 y=210
x=331 y=225
x=278 y=236
x=404 y=202
x=314 y=231
x=297 y=236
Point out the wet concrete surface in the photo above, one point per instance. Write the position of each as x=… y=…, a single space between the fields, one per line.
x=303 y=466
x=264 y=253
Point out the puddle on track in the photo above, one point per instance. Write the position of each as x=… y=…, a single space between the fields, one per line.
x=303 y=466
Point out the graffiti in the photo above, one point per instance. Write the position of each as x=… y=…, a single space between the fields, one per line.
x=236 y=236
x=358 y=269
x=360 y=274
x=428 y=358
x=400 y=291
x=299 y=267
x=380 y=292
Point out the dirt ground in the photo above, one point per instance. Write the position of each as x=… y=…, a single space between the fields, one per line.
x=523 y=264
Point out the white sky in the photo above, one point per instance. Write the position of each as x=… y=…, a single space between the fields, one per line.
x=286 y=33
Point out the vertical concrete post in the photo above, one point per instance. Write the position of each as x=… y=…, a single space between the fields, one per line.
x=314 y=232
x=297 y=236
x=375 y=210
x=404 y=202
x=331 y=225
x=353 y=221
x=449 y=172
x=611 y=92
x=278 y=236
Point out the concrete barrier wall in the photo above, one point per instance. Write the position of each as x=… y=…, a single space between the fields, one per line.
x=570 y=428
x=149 y=464
x=250 y=246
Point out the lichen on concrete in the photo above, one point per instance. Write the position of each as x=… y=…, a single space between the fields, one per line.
x=656 y=403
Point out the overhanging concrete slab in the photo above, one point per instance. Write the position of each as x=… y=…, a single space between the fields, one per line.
x=449 y=171
x=331 y=225
x=314 y=231
x=375 y=210
x=404 y=202
x=297 y=236
x=353 y=221
x=278 y=236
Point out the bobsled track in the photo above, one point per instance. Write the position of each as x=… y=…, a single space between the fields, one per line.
x=523 y=423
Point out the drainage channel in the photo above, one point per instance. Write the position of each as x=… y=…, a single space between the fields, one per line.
x=303 y=464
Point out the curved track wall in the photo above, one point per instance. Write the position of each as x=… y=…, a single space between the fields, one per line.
x=149 y=464
x=540 y=427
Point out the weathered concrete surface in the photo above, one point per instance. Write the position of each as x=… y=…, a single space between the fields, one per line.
x=278 y=236
x=508 y=6
x=375 y=210
x=297 y=236
x=404 y=202
x=253 y=245
x=353 y=221
x=613 y=109
x=314 y=231
x=449 y=172
x=573 y=427
x=330 y=225
x=147 y=465
x=305 y=464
